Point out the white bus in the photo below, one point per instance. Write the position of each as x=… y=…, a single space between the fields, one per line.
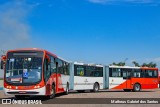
x=86 y=77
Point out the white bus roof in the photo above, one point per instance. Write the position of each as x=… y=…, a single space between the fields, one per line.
x=80 y=63
x=63 y=59
x=112 y=66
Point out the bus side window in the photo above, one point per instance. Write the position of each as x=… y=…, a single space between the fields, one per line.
x=142 y=73
x=124 y=72
x=80 y=71
x=59 y=66
x=155 y=74
x=116 y=72
x=47 y=70
x=110 y=72
x=53 y=65
x=66 y=69
x=137 y=73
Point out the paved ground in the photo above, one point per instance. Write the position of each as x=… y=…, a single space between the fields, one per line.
x=101 y=94
x=1 y=83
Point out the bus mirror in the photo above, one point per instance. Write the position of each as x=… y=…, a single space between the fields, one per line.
x=1 y=64
x=3 y=58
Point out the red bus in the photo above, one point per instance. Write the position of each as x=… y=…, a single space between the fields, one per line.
x=34 y=72
x=132 y=78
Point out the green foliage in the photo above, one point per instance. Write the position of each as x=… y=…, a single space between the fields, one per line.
x=136 y=64
x=151 y=64
x=119 y=64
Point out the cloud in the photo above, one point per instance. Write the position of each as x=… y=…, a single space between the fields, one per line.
x=14 y=30
x=152 y=2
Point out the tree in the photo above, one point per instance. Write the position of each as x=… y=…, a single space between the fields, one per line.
x=119 y=64
x=151 y=64
x=136 y=64
x=114 y=63
x=144 y=65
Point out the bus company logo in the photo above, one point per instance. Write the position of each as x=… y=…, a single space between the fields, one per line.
x=6 y=101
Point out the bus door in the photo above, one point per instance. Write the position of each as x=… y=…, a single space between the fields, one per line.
x=56 y=76
x=59 y=71
x=127 y=77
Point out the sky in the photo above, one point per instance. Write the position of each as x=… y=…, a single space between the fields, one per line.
x=89 y=31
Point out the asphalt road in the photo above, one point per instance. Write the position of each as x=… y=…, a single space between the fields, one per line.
x=82 y=99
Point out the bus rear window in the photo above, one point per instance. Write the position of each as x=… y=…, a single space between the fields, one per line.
x=151 y=74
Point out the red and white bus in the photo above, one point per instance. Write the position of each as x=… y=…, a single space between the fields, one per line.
x=34 y=72
x=131 y=78
x=94 y=77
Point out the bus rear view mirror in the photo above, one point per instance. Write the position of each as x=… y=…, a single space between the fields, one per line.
x=1 y=64
x=3 y=58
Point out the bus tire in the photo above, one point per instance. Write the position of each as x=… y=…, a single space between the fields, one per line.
x=95 y=87
x=137 y=87
x=53 y=92
x=67 y=89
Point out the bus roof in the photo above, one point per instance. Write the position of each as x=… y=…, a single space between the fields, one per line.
x=80 y=63
x=143 y=68
x=112 y=66
x=35 y=49
x=148 y=68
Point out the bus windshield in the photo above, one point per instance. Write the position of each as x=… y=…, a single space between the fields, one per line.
x=21 y=70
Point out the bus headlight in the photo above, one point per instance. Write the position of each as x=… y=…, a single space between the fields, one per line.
x=9 y=87
x=37 y=86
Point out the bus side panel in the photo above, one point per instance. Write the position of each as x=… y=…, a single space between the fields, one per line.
x=85 y=83
x=49 y=83
x=59 y=83
x=65 y=80
x=117 y=83
x=150 y=83
x=129 y=84
x=146 y=83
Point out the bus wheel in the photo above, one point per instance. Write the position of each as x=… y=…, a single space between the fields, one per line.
x=95 y=87
x=136 y=87
x=67 y=90
x=127 y=90
x=52 y=92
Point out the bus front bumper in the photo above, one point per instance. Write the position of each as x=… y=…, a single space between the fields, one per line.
x=40 y=91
